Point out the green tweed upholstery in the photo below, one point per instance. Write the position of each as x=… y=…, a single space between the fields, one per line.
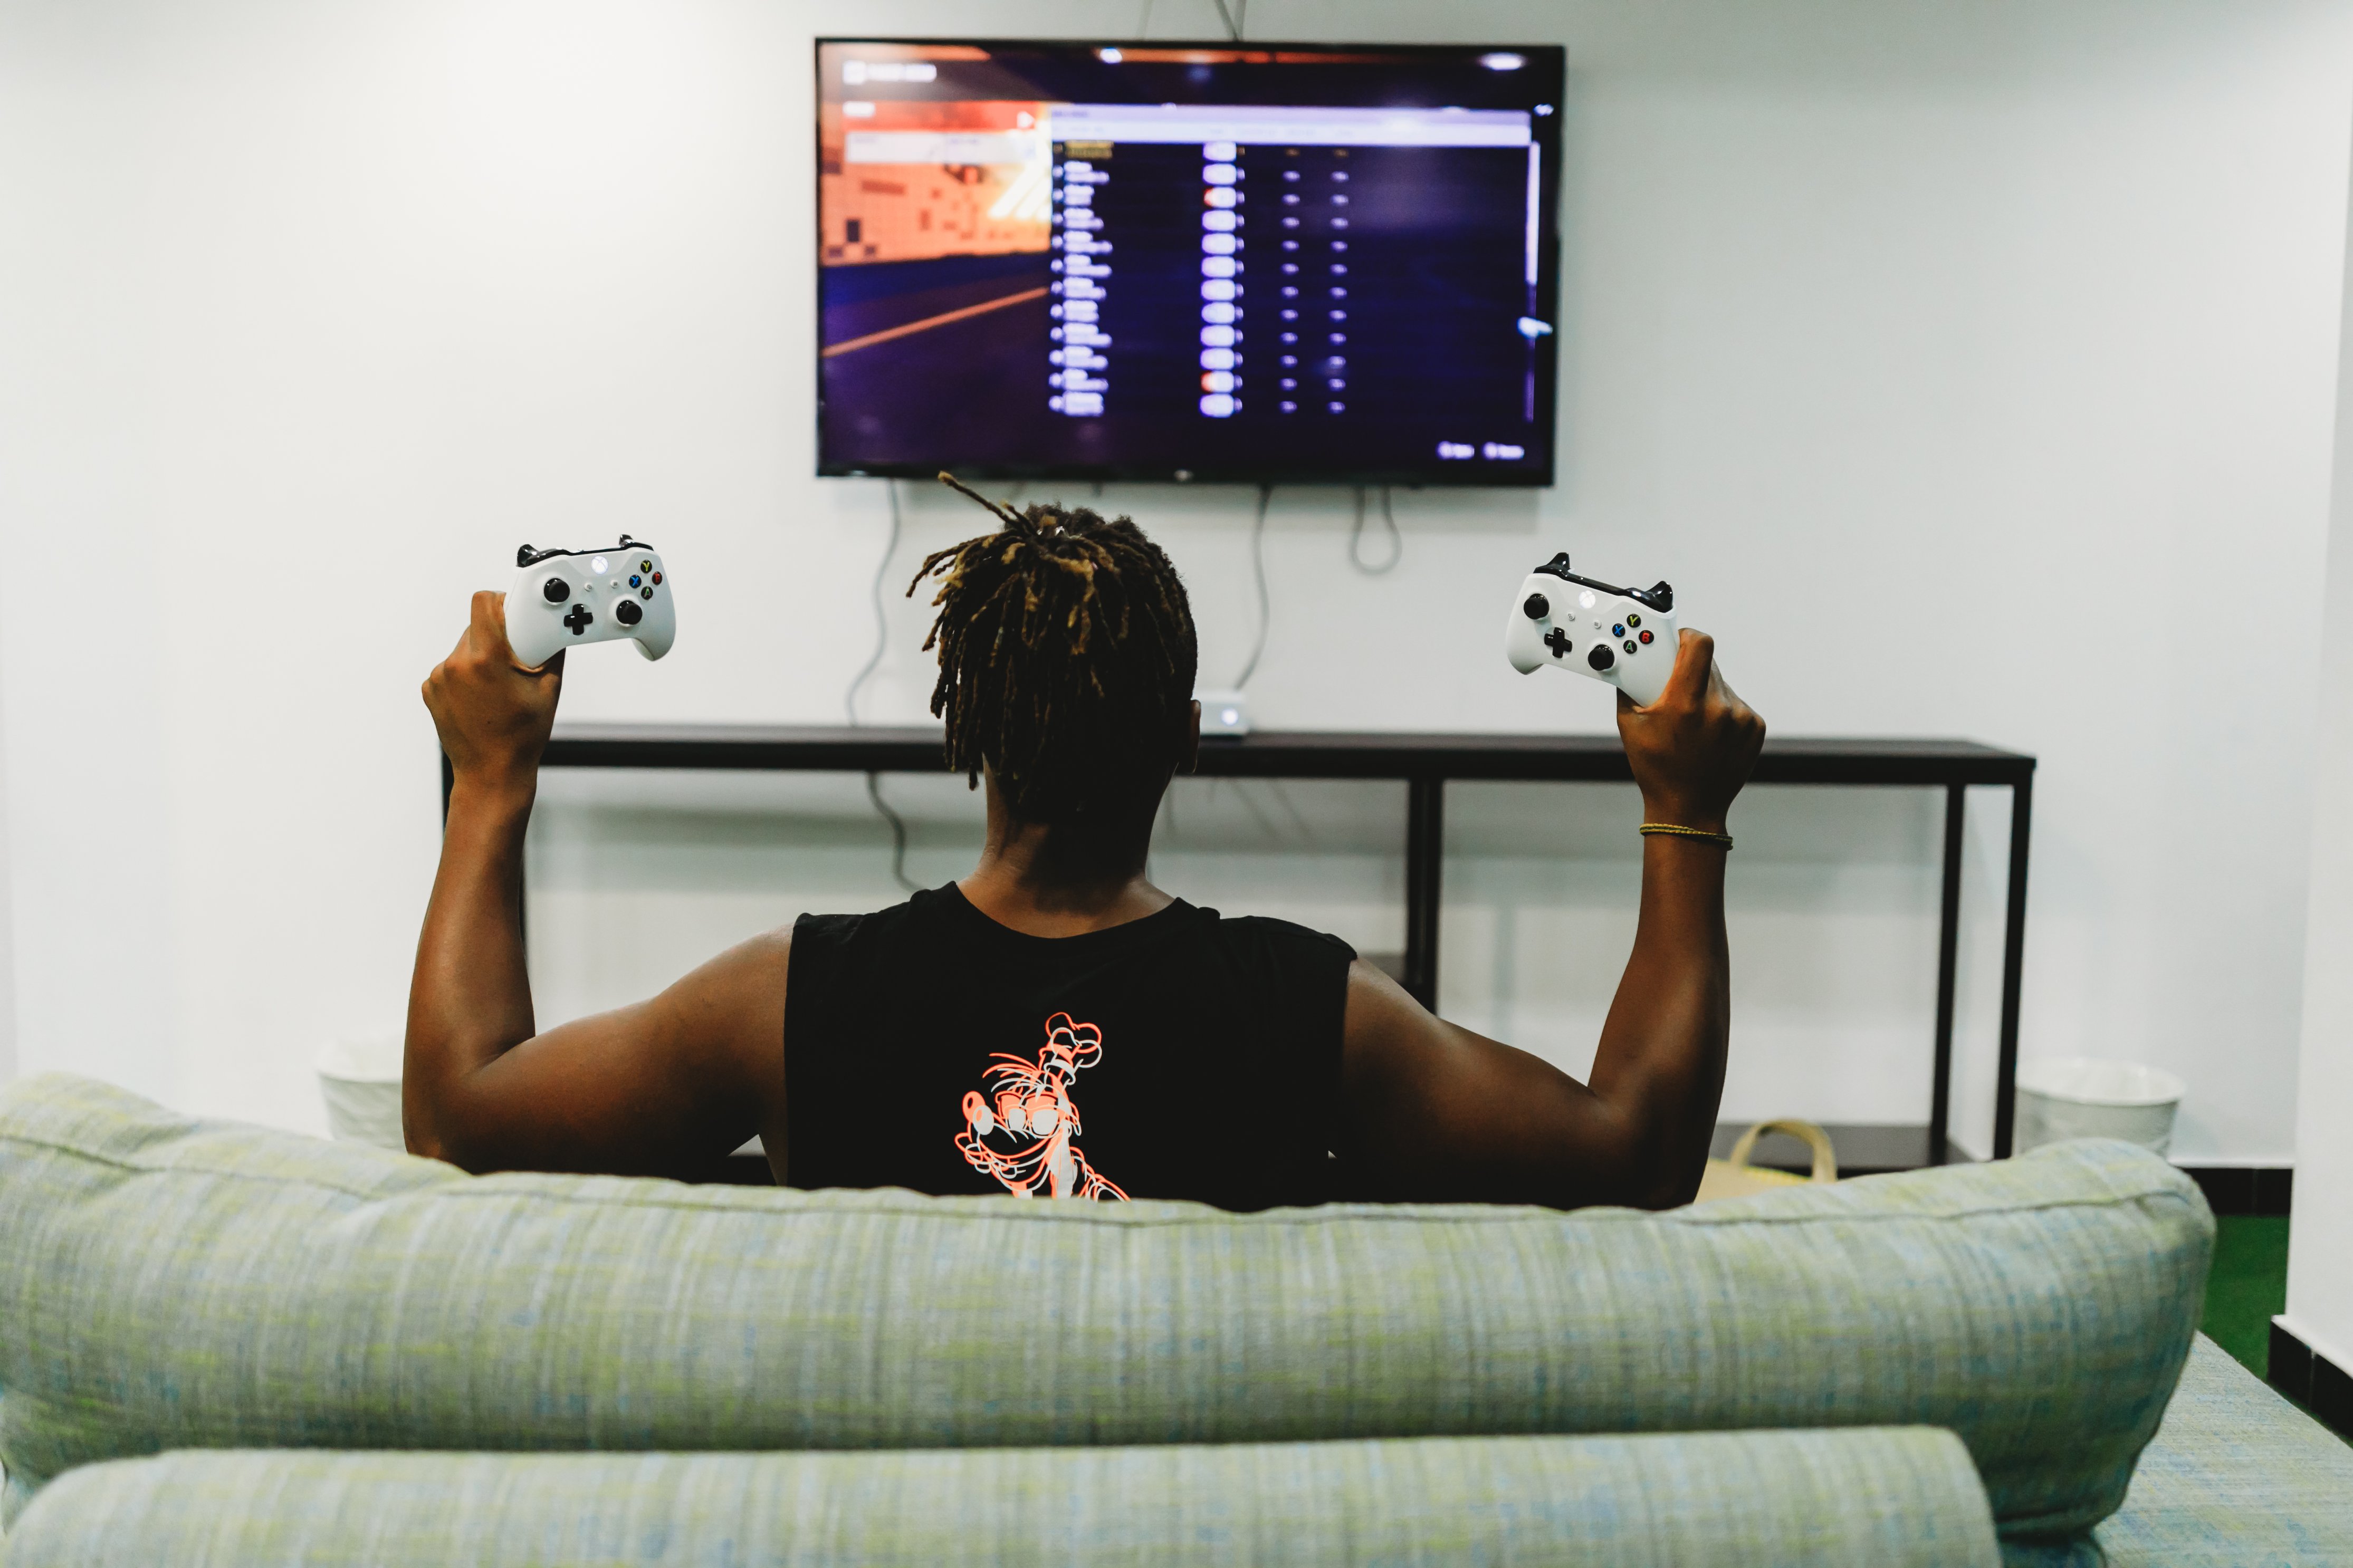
x=2236 y=1475
x=169 y=1283
x=1873 y=1498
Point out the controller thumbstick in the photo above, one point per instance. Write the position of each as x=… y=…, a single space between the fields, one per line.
x=1600 y=658
x=628 y=613
x=555 y=590
x=1538 y=607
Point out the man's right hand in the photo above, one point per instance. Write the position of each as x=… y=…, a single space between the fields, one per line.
x=1691 y=750
x=492 y=714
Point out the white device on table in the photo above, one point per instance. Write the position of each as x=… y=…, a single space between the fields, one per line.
x=1625 y=636
x=1223 y=712
x=560 y=597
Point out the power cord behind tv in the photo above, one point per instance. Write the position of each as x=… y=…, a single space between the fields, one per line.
x=1257 y=573
x=850 y=698
x=1234 y=19
x=1356 y=538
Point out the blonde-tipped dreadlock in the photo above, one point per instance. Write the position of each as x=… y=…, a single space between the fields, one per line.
x=1067 y=658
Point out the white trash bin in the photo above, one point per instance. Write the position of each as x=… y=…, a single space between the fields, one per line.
x=2084 y=1097
x=359 y=1078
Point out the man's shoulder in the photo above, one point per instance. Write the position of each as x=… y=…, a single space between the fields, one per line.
x=840 y=932
x=1282 y=938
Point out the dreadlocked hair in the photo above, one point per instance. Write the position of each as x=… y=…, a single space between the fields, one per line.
x=1067 y=658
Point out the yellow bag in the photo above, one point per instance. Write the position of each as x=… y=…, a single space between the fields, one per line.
x=1736 y=1178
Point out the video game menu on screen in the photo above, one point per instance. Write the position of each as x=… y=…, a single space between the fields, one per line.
x=1204 y=277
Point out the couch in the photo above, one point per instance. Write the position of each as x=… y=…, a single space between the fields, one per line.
x=224 y=1345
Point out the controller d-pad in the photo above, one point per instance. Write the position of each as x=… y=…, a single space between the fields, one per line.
x=1556 y=640
x=1600 y=658
x=555 y=590
x=578 y=618
x=628 y=613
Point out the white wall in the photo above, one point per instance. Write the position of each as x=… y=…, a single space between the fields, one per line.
x=1970 y=369
x=7 y=933
x=2319 y=1263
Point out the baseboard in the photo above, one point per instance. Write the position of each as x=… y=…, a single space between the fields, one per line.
x=2245 y=1190
x=2312 y=1380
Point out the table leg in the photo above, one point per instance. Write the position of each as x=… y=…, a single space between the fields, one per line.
x=1949 y=945
x=2013 y=960
x=1425 y=853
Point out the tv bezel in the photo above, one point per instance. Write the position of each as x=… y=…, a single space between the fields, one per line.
x=1454 y=475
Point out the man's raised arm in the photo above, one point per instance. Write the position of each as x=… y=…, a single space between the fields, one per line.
x=664 y=1088
x=1436 y=1112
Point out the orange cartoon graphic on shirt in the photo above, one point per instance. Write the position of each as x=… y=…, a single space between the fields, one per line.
x=1021 y=1130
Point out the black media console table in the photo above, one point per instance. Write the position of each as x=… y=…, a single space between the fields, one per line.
x=1425 y=763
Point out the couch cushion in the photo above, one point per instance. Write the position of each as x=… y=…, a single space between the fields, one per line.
x=171 y=1283
x=2236 y=1475
x=1873 y=1498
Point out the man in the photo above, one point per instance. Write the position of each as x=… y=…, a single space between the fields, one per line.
x=1053 y=1024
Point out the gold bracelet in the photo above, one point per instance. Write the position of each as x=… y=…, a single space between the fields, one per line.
x=1675 y=830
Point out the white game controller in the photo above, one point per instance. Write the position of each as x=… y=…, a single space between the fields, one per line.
x=561 y=597
x=1625 y=636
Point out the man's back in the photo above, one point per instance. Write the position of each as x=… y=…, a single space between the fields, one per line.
x=1178 y=1056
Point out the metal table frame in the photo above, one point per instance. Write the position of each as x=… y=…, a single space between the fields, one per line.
x=1426 y=763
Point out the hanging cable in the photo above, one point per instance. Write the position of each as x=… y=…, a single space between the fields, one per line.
x=1258 y=572
x=882 y=622
x=1356 y=538
x=1234 y=16
x=1143 y=23
x=850 y=698
x=897 y=834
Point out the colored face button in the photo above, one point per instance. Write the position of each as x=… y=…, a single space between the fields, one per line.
x=1630 y=646
x=1634 y=620
x=1618 y=631
x=1646 y=637
x=648 y=593
x=645 y=566
x=633 y=579
x=656 y=576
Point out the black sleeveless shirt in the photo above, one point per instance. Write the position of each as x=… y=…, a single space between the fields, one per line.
x=1180 y=1056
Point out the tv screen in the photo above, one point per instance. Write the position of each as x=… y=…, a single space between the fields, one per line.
x=1260 y=263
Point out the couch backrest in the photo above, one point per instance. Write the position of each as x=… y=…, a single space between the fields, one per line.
x=172 y=1283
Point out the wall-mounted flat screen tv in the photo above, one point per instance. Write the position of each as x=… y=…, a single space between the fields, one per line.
x=1258 y=263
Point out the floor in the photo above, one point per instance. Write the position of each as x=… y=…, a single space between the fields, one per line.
x=2248 y=1286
